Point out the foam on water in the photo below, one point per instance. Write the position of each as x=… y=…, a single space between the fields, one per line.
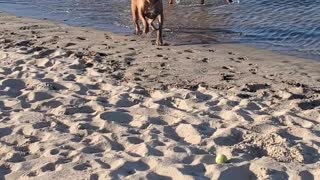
x=287 y=26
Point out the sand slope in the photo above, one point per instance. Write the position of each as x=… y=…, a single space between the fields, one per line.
x=82 y=112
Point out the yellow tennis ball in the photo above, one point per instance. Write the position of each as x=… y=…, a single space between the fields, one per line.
x=220 y=159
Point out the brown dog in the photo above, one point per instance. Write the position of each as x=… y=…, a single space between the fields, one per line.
x=151 y=9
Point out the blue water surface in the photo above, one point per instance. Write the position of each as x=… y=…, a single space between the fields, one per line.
x=285 y=26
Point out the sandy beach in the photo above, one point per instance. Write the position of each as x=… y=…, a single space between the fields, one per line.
x=78 y=103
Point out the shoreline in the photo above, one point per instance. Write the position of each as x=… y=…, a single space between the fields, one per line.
x=89 y=104
x=123 y=31
x=254 y=59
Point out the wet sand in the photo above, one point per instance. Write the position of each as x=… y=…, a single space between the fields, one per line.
x=86 y=104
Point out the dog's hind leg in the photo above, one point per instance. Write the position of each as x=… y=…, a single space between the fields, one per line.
x=159 y=32
x=150 y=21
x=135 y=19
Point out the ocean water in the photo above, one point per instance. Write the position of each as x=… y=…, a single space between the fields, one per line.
x=286 y=26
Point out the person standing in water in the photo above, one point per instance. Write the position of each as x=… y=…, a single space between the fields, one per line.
x=201 y=1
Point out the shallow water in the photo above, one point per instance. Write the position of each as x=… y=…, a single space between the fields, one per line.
x=287 y=26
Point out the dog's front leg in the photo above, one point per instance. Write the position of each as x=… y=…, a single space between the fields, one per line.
x=144 y=22
x=135 y=19
x=159 y=32
x=170 y=1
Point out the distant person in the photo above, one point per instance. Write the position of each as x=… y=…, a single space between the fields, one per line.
x=171 y=1
x=202 y=1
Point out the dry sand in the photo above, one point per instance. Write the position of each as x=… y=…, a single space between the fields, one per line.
x=78 y=103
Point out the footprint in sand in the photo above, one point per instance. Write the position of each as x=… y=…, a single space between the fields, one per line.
x=82 y=167
x=38 y=96
x=309 y=104
x=129 y=168
x=117 y=117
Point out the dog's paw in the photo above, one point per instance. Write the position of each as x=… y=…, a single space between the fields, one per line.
x=146 y=30
x=159 y=43
x=138 y=32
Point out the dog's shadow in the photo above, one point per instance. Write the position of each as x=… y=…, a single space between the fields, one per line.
x=174 y=36
x=192 y=36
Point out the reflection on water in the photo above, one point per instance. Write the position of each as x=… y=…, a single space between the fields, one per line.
x=195 y=24
x=285 y=26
